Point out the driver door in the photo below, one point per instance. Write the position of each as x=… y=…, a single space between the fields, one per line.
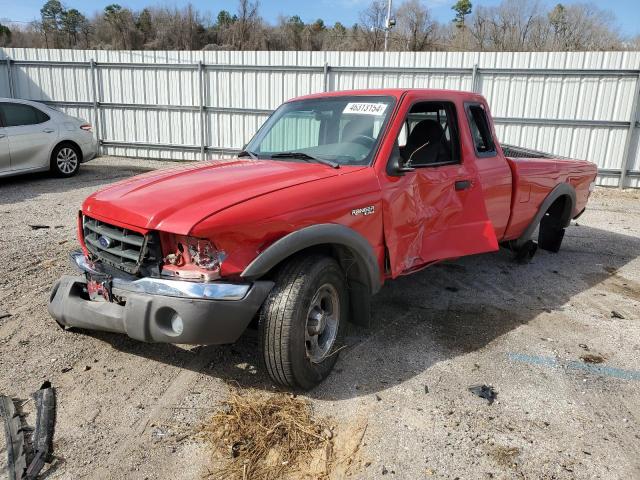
x=436 y=211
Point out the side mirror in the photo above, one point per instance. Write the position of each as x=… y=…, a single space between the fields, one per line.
x=396 y=166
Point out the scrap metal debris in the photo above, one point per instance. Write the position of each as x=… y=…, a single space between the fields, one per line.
x=484 y=391
x=15 y=441
x=616 y=314
x=27 y=454
x=4 y=314
x=39 y=227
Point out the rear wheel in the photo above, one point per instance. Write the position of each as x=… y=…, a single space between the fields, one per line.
x=65 y=160
x=302 y=320
x=551 y=233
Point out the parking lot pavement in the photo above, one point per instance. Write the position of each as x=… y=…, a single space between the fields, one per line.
x=557 y=339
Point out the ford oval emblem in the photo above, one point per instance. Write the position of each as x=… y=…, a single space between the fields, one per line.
x=105 y=242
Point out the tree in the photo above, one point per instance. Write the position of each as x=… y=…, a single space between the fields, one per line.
x=144 y=24
x=415 y=26
x=51 y=22
x=5 y=35
x=506 y=25
x=225 y=19
x=73 y=24
x=292 y=29
x=247 y=27
x=124 y=33
x=462 y=9
x=582 y=27
x=373 y=23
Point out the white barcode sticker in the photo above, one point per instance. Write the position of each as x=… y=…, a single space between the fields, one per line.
x=365 y=108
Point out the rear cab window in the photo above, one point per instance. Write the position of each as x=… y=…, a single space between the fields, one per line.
x=19 y=114
x=483 y=141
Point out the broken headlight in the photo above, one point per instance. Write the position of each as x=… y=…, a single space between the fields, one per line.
x=190 y=258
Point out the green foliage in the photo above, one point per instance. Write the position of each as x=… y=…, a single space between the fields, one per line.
x=318 y=25
x=5 y=35
x=112 y=11
x=462 y=9
x=72 y=21
x=51 y=13
x=295 y=23
x=225 y=19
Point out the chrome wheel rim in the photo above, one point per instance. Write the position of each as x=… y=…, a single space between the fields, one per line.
x=323 y=319
x=67 y=160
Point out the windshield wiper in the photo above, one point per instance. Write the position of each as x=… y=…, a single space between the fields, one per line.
x=307 y=157
x=247 y=153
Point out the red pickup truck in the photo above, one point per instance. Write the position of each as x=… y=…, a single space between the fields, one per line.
x=334 y=195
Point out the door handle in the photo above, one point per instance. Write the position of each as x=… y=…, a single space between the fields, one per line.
x=48 y=130
x=463 y=185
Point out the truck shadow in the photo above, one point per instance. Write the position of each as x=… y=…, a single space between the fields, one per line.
x=429 y=317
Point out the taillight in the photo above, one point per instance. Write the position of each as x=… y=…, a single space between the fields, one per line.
x=86 y=127
x=190 y=258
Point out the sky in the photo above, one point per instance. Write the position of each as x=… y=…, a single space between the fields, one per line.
x=626 y=12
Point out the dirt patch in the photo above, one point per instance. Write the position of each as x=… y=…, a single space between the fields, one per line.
x=592 y=358
x=263 y=436
x=504 y=456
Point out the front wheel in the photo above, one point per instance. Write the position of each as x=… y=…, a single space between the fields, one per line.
x=302 y=320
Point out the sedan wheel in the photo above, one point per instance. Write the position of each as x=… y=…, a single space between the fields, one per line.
x=65 y=161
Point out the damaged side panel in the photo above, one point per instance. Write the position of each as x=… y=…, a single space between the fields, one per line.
x=430 y=216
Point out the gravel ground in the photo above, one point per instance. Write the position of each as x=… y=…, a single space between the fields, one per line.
x=130 y=410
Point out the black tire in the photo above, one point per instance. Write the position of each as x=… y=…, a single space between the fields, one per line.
x=65 y=160
x=551 y=234
x=286 y=319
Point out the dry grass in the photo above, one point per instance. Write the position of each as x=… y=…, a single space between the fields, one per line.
x=266 y=436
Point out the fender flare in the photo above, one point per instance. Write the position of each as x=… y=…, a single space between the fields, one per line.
x=563 y=189
x=321 y=234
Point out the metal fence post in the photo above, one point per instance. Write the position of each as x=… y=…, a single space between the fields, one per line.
x=201 y=104
x=629 y=152
x=325 y=78
x=474 y=78
x=96 y=104
x=10 y=77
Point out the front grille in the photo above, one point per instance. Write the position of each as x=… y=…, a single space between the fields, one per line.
x=120 y=247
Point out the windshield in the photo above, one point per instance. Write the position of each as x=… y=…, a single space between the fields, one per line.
x=337 y=130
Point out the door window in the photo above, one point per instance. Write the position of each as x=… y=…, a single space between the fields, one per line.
x=429 y=136
x=480 y=131
x=17 y=114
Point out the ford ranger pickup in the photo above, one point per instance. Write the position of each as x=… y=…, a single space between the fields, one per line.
x=335 y=194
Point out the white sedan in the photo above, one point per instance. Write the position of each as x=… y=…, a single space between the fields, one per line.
x=35 y=137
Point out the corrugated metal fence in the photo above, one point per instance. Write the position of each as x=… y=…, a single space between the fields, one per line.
x=193 y=105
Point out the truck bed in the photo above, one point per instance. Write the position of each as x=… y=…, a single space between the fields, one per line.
x=513 y=151
x=534 y=175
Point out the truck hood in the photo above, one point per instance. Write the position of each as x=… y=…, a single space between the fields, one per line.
x=176 y=199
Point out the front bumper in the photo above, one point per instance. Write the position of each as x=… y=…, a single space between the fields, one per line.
x=210 y=314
